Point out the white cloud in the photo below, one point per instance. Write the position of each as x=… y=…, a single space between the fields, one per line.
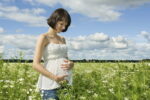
x=91 y=9
x=30 y=16
x=102 y=10
x=119 y=42
x=47 y=2
x=19 y=30
x=7 y=0
x=1 y=41
x=83 y=47
x=20 y=41
x=1 y=49
x=1 y=30
x=98 y=37
x=112 y=48
x=15 y=53
x=98 y=41
x=146 y=35
x=30 y=2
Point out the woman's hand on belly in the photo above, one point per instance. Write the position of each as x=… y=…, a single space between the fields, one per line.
x=60 y=78
x=67 y=65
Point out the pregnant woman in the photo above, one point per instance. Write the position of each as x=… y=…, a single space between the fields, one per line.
x=52 y=47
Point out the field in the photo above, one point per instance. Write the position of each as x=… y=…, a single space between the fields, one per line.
x=91 y=81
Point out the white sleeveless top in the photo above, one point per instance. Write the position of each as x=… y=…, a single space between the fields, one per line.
x=54 y=55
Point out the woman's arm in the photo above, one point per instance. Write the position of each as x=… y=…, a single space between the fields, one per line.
x=71 y=63
x=37 y=59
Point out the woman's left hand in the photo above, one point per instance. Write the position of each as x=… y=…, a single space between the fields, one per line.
x=69 y=65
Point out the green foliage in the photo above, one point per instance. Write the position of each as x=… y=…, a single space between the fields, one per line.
x=91 y=81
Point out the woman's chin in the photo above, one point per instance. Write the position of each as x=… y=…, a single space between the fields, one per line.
x=58 y=31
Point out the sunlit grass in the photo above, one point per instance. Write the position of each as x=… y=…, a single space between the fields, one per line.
x=91 y=81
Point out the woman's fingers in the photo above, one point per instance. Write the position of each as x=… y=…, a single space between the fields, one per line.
x=65 y=66
x=65 y=69
x=65 y=76
x=60 y=78
x=66 y=60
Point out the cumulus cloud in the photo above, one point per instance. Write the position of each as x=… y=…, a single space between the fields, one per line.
x=98 y=41
x=30 y=16
x=102 y=10
x=146 y=35
x=107 y=47
x=47 y=2
x=20 y=41
x=7 y=0
x=19 y=30
x=93 y=46
x=98 y=37
x=1 y=30
x=119 y=42
x=1 y=41
x=15 y=53
x=1 y=49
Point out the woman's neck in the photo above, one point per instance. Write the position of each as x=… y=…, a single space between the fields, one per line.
x=52 y=32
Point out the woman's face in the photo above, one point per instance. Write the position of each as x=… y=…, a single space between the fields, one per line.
x=60 y=26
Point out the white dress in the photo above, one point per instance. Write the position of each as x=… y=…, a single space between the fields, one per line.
x=53 y=56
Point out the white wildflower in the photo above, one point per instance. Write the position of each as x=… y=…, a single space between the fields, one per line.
x=88 y=71
x=21 y=79
x=51 y=99
x=125 y=98
x=30 y=89
x=1 y=80
x=105 y=81
x=5 y=86
x=30 y=98
x=11 y=86
x=88 y=91
x=82 y=97
x=111 y=90
x=7 y=81
x=95 y=95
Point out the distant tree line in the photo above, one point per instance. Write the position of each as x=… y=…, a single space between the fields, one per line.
x=82 y=61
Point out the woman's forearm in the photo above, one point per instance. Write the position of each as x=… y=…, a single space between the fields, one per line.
x=40 y=68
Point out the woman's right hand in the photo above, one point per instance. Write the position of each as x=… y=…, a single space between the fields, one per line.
x=60 y=78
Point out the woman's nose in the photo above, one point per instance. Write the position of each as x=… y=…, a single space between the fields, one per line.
x=63 y=27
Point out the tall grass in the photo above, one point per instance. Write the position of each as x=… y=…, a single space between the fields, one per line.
x=91 y=81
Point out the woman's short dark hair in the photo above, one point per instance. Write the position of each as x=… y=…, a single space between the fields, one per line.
x=59 y=14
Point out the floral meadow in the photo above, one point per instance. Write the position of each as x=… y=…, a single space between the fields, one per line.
x=91 y=81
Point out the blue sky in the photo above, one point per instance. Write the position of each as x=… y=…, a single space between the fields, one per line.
x=110 y=29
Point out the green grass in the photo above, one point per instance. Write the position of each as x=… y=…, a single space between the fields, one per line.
x=91 y=81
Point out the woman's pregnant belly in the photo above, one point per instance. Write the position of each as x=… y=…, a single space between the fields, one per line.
x=62 y=71
x=54 y=66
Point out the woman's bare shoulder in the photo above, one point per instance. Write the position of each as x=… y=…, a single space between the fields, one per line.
x=42 y=38
x=45 y=35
